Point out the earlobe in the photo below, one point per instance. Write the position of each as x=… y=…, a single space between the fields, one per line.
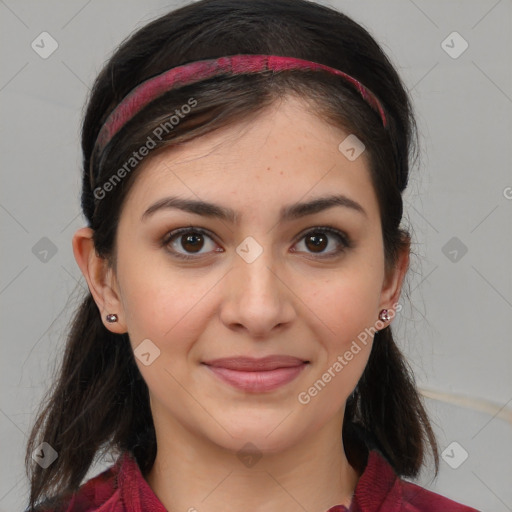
x=99 y=277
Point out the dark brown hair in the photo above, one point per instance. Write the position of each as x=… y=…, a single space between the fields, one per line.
x=99 y=402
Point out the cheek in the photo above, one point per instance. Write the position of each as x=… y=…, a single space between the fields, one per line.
x=163 y=308
x=344 y=317
x=344 y=307
x=346 y=302
x=168 y=306
x=172 y=313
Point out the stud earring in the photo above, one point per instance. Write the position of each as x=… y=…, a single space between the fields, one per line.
x=111 y=318
x=384 y=315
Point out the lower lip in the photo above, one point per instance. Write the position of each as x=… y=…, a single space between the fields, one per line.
x=258 y=381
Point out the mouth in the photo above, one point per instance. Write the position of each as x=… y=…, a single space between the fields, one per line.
x=257 y=375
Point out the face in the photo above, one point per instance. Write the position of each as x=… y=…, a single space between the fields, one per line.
x=256 y=285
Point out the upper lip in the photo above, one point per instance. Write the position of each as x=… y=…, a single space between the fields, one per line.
x=256 y=364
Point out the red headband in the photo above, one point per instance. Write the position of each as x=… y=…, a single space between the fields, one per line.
x=179 y=76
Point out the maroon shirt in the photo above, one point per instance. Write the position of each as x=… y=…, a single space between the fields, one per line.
x=122 y=488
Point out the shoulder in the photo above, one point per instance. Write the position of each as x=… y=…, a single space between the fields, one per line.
x=120 y=488
x=99 y=494
x=380 y=489
x=419 y=499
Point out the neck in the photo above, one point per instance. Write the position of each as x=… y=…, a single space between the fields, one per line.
x=190 y=473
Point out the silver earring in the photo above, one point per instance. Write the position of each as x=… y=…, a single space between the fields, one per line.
x=384 y=315
x=111 y=318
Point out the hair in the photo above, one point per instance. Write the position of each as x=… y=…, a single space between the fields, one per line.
x=99 y=400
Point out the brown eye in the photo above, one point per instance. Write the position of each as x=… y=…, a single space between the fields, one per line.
x=318 y=240
x=187 y=243
x=192 y=242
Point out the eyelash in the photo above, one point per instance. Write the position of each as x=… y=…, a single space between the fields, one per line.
x=343 y=239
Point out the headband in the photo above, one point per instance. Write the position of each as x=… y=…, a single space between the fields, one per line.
x=192 y=72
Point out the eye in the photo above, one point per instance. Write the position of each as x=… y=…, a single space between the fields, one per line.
x=318 y=239
x=192 y=240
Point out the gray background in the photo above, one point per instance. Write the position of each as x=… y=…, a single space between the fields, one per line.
x=456 y=328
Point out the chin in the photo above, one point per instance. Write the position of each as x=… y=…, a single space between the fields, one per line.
x=257 y=444
x=270 y=435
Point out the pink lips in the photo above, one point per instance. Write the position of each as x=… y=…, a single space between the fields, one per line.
x=257 y=375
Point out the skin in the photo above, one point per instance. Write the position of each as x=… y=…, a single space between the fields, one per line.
x=288 y=301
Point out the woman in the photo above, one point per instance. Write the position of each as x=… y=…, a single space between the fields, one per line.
x=242 y=178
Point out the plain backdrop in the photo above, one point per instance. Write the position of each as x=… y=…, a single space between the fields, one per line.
x=454 y=57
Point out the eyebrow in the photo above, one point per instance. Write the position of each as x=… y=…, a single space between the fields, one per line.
x=287 y=213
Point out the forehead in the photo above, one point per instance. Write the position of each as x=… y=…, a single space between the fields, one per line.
x=283 y=153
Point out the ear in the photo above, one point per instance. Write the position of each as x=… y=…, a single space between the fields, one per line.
x=101 y=279
x=392 y=285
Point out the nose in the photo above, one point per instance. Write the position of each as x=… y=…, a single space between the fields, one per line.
x=257 y=297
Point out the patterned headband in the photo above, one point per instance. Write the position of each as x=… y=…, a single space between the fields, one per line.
x=179 y=76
